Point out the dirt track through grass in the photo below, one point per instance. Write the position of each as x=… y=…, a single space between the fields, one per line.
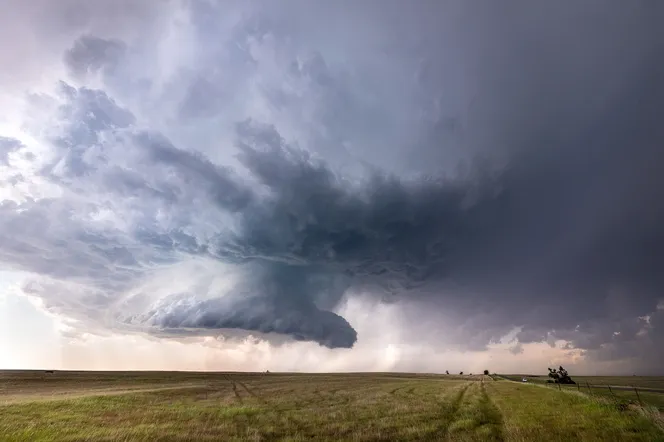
x=258 y=407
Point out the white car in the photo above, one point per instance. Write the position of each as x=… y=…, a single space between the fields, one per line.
x=524 y=380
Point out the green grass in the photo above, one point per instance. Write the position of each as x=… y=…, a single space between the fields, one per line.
x=359 y=407
x=645 y=398
x=531 y=412
x=597 y=386
x=651 y=382
x=654 y=382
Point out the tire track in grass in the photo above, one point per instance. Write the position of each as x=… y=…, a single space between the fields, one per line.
x=248 y=390
x=476 y=418
x=494 y=418
x=295 y=425
x=251 y=393
x=449 y=408
x=403 y=391
x=236 y=392
x=459 y=398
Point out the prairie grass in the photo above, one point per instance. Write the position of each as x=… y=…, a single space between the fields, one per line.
x=532 y=412
x=614 y=388
x=296 y=407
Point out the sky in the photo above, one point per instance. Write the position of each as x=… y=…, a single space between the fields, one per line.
x=332 y=186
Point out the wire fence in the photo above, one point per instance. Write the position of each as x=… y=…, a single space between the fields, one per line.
x=621 y=394
x=603 y=390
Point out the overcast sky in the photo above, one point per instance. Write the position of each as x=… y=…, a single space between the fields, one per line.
x=323 y=186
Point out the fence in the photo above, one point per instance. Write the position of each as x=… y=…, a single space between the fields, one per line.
x=623 y=394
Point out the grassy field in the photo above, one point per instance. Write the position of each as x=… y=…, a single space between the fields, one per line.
x=645 y=382
x=650 y=388
x=159 y=406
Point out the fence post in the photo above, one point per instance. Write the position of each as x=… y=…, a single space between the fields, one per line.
x=578 y=387
x=637 y=395
x=559 y=387
x=615 y=398
x=589 y=389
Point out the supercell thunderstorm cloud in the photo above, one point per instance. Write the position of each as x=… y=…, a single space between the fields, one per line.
x=202 y=168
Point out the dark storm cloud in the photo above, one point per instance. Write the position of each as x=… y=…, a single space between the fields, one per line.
x=512 y=242
x=275 y=299
x=222 y=185
x=572 y=217
x=510 y=172
x=410 y=240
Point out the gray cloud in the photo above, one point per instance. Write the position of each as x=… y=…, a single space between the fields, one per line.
x=7 y=146
x=274 y=300
x=92 y=54
x=516 y=349
x=482 y=167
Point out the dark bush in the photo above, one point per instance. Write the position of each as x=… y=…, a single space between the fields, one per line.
x=560 y=376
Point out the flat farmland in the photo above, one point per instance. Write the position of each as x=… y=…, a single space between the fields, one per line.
x=163 y=406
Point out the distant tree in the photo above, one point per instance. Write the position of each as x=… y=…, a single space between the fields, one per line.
x=486 y=372
x=447 y=372
x=560 y=376
x=461 y=372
